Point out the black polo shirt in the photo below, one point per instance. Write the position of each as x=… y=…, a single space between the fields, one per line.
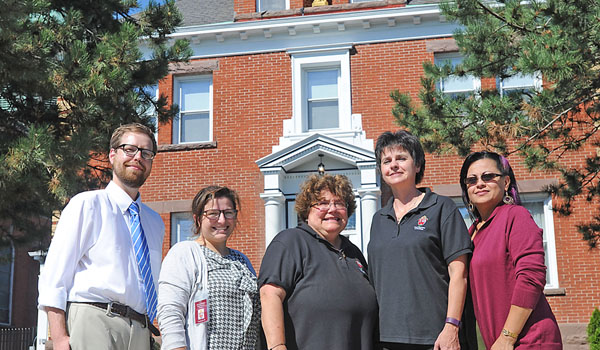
x=329 y=302
x=408 y=266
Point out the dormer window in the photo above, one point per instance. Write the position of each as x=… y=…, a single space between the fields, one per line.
x=272 y=5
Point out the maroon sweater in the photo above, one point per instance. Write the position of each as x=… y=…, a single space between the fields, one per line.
x=507 y=268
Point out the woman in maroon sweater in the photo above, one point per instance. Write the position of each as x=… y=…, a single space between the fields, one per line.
x=507 y=272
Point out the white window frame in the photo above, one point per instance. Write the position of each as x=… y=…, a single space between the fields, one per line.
x=176 y=227
x=302 y=62
x=178 y=97
x=10 y=284
x=536 y=84
x=549 y=237
x=441 y=57
x=259 y=9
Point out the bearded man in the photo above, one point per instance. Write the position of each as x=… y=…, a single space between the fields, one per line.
x=98 y=285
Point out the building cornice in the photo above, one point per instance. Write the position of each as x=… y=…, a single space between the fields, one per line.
x=331 y=28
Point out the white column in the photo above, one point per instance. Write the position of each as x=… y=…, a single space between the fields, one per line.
x=369 y=202
x=42 y=319
x=274 y=214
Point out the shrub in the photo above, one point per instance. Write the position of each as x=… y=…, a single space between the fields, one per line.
x=593 y=330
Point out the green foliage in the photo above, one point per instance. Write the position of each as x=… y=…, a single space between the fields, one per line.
x=557 y=39
x=593 y=330
x=71 y=71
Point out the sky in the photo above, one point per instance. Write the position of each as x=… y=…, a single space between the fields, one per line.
x=143 y=4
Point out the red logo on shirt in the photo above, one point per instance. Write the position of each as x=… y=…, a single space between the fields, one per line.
x=422 y=220
x=201 y=311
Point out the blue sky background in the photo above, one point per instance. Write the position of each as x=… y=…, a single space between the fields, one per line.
x=142 y=4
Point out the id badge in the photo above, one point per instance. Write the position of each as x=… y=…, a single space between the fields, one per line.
x=201 y=311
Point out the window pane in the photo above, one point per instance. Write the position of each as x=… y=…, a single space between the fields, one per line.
x=323 y=114
x=5 y=283
x=264 y=5
x=351 y=222
x=518 y=80
x=323 y=84
x=452 y=83
x=195 y=95
x=537 y=213
x=457 y=84
x=182 y=227
x=195 y=127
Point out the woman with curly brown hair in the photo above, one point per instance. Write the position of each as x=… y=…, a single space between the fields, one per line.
x=314 y=286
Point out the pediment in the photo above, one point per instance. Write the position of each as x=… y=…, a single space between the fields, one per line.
x=304 y=155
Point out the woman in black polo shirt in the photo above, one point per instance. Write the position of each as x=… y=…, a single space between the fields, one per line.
x=314 y=288
x=417 y=255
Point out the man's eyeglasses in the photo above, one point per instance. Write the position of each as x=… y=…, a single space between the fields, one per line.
x=131 y=151
x=325 y=205
x=487 y=177
x=214 y=214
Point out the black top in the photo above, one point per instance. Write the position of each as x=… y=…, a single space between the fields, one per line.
x=329 y=302
x=409 y=267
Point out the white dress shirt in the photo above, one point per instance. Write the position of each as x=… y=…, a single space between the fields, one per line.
x=91 y=256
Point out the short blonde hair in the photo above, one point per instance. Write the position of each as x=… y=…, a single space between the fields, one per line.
x=310 y=193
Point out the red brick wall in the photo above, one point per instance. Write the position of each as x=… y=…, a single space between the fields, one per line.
x=252 y=95
x=244 y=6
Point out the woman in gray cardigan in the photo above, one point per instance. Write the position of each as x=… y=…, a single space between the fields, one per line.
x=207 y=292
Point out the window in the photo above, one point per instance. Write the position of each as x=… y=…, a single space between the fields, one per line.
x=454 y=85
x=321 y=91
x=152 y=92
x=322 y=98
x=182 y=227
x=519 y=83
x=6 y=273
x=271 y=5
x=194 y=122
x=540 y=207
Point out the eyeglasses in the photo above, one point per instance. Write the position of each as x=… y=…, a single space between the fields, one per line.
x=487 y=177
x=325 y=205
x=131 y=151
x=214 y=214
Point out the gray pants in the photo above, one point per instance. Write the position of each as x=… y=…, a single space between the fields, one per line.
x=91 y=328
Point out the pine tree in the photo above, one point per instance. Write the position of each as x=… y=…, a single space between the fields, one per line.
x=557 y=39
x=71 y=71
x=593 y=330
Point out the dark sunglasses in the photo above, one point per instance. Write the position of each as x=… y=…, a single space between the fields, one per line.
x=487 y=177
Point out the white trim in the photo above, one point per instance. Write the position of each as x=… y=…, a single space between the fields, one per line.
x=536 y=84
x=360 y=27
x=284 y=23
x=548 y=234
x=178 y=97
x=320 y=59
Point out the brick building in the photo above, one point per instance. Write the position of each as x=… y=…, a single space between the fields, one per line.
x=276 y=87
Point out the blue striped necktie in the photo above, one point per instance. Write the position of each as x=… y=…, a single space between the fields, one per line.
x=142 y=255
